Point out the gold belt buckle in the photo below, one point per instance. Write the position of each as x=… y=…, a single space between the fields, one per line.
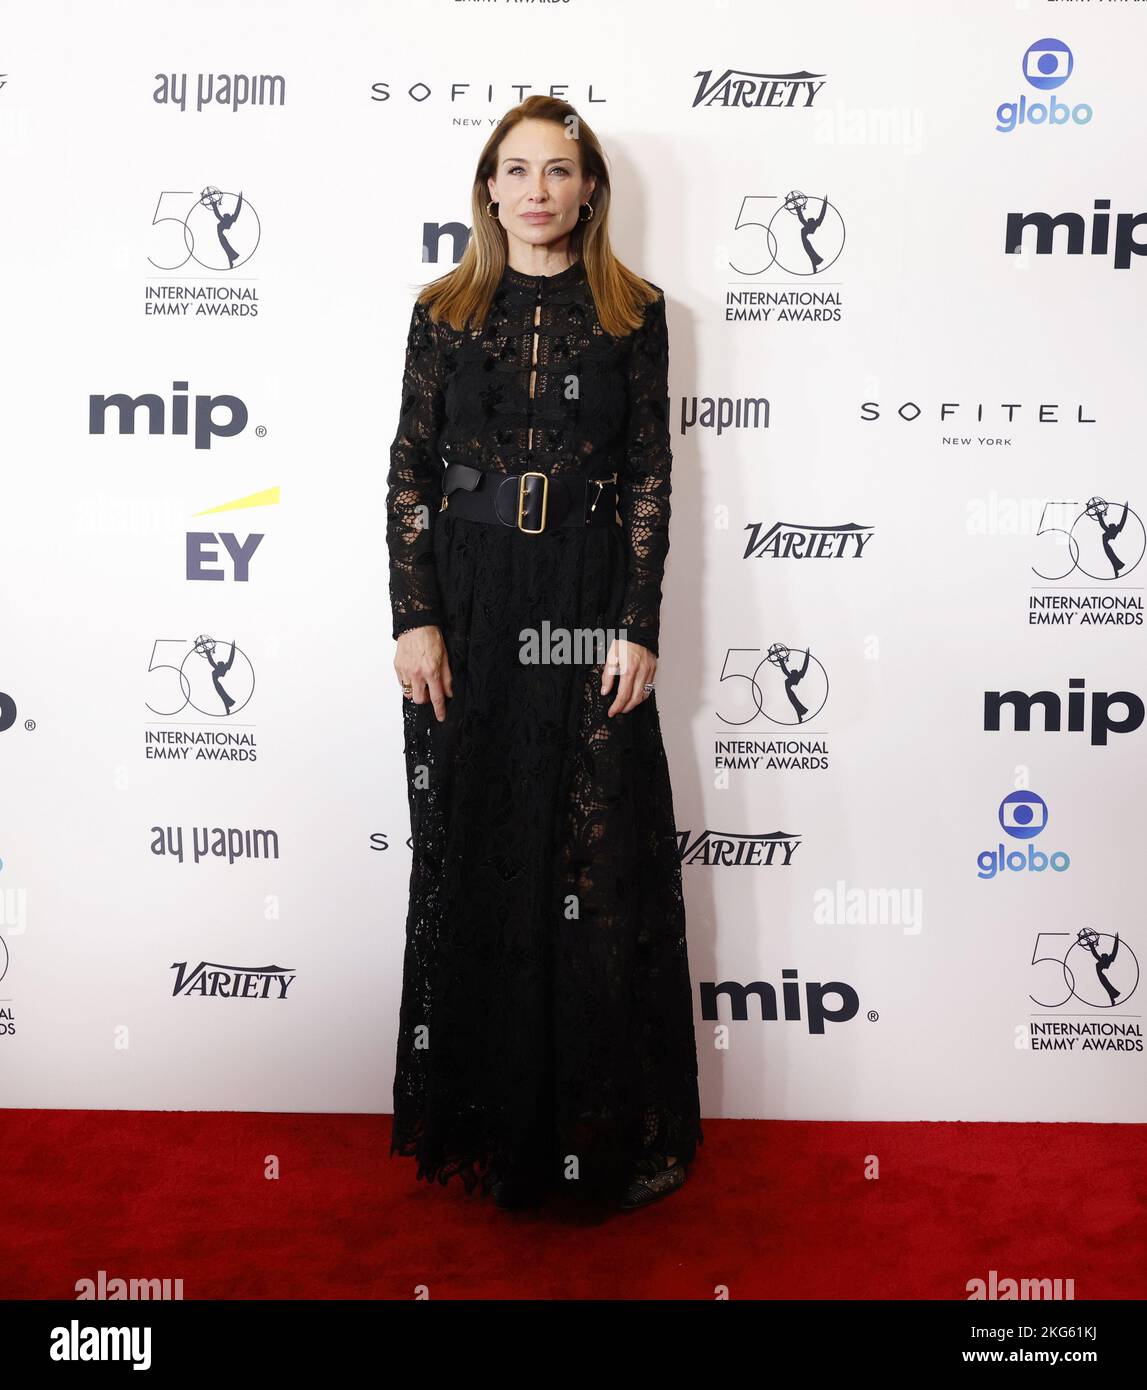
x=532 y=530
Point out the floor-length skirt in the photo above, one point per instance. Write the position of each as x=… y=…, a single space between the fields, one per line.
x=546 y=1022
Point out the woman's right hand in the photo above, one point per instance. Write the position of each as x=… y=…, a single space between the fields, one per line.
x=422 y=663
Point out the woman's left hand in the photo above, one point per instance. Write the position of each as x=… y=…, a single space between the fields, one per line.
x=637 y=665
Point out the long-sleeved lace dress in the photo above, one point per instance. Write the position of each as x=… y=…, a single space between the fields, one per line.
x=546 y=1018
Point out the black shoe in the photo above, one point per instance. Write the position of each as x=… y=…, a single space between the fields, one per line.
x=518 y=1194
x=652 y=1180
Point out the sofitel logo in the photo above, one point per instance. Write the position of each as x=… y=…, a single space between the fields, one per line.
x=211 y=980
x=741 y=87
x=722 y=849
x=1005 y=414
x=789 y=540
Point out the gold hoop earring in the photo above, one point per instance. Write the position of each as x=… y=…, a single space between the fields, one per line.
x=590 y=217
x=489 y=205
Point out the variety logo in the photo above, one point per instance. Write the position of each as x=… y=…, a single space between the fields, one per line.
x=1100 y=723
x=1023 y=816
x=785 y=540
x=720 y=849
x=210 y=980
x=1047 y=64
x=741 y=88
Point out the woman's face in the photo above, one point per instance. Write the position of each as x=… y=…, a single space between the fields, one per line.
x=538 y=185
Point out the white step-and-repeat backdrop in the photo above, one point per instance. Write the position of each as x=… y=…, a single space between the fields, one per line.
x=902 y=672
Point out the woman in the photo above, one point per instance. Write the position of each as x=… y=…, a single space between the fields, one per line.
x=545 y=1032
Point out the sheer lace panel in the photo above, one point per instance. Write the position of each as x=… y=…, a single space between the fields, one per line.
x=540 y=386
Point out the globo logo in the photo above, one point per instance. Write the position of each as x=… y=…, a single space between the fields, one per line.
x=1023 y=815
x=1047 y=64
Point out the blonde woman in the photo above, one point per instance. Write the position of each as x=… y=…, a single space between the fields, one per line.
x=545 y=1032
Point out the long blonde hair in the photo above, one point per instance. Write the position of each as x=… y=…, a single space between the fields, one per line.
x=463 y=296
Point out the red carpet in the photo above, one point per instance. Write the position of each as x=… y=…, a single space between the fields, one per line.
x=772 y=1209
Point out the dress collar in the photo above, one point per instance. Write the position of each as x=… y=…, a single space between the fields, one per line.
x=568 y=276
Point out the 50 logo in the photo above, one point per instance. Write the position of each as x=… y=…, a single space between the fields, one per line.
x=210 y=677
x=803 y=236
x=786 y=685
x=1096 y=969
x=216 y=230
x=1106 y=540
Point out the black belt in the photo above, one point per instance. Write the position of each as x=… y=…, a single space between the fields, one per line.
x=531 y=501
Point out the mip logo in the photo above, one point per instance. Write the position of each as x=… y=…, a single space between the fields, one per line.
x=207 y=422
x=1023 y=816
x=1047 y=64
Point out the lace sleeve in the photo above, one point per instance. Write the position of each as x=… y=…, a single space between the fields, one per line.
x=414 y=487
x=644 y=480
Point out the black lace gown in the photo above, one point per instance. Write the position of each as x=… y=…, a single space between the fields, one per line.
x=546 y=1021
